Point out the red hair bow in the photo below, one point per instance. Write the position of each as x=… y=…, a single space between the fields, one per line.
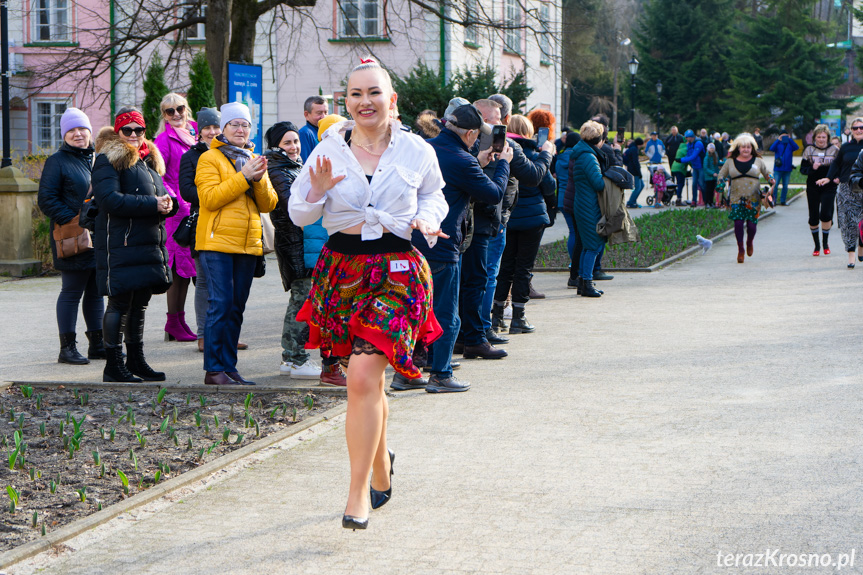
x=368 y=61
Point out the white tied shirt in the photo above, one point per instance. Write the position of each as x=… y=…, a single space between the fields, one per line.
x=406 y=185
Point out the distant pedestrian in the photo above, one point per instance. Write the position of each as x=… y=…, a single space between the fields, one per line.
x=177 y=133
x=131 y=260
x=783 y=163
x=633 y=165
x=695 y=152
x=561 y=165
x=654 y=149
x=849 y=204
x=744 y=169
x=62 y=188
x=815 y=165
x=759 y=140
x=672 y=142
x=712 y=165
x=314 y=110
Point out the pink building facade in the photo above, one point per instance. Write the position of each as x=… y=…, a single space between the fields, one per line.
x=309 y=54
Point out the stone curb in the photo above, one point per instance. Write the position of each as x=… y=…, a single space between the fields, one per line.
x=200 y=388
x=84 y=524
x=677 y=257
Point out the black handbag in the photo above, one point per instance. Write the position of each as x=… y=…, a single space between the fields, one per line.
x=184 y=235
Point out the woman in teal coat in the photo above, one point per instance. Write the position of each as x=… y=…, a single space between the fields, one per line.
x=587 y=179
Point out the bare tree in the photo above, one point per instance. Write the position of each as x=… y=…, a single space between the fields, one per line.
x=124 y=40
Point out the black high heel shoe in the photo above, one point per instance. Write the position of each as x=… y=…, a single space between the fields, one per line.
x=351 y=522
x=379 y=498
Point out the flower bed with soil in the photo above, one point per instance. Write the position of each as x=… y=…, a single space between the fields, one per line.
x=71 y=451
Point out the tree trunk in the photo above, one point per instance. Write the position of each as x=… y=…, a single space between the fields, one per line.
x=218 y=33
x=244 y=24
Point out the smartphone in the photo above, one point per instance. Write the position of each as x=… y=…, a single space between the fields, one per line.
x=541 y=137
x=498 y=138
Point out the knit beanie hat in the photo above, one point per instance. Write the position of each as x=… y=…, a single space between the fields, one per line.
x=74 y=118
x=234 y=111
x=208 y=117
x=277 y=131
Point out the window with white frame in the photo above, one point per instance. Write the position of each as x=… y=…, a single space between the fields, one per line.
x=196 y=32
x=471 y=33
x=545 y=36
x=360 y=18
x=50 y=19
x=47 y=125
x=512 y=20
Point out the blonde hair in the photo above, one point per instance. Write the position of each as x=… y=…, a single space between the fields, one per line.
x=173 y=100
x=520 y=125
x=741 y=139
x=369 y=63
x=821 y=129
x=591 y=132
x=855 y=120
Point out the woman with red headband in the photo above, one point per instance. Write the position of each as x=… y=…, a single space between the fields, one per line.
x=131 y=260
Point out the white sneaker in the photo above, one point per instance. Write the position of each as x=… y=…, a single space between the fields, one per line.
x=309 y=370
x=285 y=369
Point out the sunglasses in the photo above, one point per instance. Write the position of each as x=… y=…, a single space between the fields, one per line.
x=179 y=110
x=857 y=127
x=127 y=131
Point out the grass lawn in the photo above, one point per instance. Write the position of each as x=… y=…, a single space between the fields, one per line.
x=661 y=235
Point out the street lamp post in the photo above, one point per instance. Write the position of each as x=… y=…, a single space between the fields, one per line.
x=658 y=105
x=633 y=70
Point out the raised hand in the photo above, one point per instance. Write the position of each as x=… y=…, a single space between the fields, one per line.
x=322 y=179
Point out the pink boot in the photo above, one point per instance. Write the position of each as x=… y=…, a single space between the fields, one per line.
x=174 y=330
x=182 y=317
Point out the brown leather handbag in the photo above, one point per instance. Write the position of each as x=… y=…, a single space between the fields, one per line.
x=71 y=239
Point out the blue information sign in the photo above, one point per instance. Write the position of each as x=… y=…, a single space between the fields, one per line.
x=245 y=84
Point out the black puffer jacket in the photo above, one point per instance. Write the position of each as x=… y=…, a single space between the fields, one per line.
x=188 y=189
x=62 y=188
x=488 y=219
x=536 y=203
x=289 y=237
x=130 y=232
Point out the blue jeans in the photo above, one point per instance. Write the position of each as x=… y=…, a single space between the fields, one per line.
x=633 y=197
x=474 y=278
x=493 y=256
x=697 y=184
x=445 y=276
x=570 y=223
x=229 y=282
x=588 y=261
x=781 y=178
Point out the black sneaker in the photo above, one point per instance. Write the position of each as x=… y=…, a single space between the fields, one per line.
x=401 y=383
x=450 y=384
x=602 y=276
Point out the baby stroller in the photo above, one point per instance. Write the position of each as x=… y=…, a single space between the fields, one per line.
x=664 y=186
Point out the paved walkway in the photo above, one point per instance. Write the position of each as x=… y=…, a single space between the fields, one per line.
x=710 y=408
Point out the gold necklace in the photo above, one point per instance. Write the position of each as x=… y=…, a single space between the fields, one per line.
x=369 y=147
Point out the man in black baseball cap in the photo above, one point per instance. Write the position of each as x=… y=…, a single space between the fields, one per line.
x=465 y=181
x=468 y=118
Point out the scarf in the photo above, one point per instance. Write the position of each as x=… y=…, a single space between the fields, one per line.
x=239 y=156
x=185 y=134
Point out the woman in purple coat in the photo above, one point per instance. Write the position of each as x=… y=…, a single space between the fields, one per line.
x=177 y=133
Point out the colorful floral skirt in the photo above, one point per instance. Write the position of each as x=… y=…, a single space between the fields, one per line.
x=366 y=296
x=746 y=210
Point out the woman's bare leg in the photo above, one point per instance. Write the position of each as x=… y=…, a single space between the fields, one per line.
x=364 y=425
x=381 y=463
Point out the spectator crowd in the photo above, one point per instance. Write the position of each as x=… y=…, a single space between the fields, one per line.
x=197 y=207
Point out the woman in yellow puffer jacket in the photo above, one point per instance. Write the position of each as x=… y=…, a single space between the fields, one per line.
x=234 y=191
